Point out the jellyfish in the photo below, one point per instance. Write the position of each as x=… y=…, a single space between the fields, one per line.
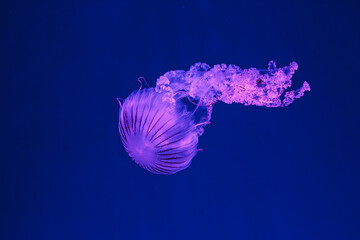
x=160 y=132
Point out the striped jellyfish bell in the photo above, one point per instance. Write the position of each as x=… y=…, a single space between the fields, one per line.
x=159 y=136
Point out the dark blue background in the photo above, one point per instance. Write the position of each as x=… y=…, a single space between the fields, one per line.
x=284 y=173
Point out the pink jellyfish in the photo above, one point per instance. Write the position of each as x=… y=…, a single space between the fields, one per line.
x=161 y=135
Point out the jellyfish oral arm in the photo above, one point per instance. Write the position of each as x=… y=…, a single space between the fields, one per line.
x=231 y=84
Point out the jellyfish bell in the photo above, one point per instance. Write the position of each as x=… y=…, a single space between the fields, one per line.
x=158 y=135
x=161 y=134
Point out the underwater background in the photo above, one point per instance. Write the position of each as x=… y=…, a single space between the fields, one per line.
x=265 y=173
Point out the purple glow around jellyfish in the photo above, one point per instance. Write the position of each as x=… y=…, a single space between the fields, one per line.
x=159 y=132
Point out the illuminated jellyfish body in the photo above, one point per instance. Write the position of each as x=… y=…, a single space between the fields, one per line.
x=159 y=132
x=159 y=136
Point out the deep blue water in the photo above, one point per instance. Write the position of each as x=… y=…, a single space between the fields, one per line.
x=284 y=173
